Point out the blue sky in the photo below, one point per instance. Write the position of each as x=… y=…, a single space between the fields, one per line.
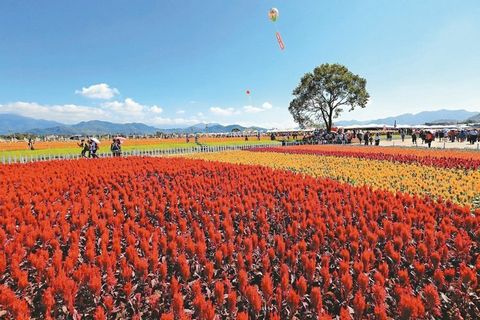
x=177 y=62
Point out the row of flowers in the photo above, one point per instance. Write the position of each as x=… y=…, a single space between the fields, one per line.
x=459 y=159
x=179 y=239
x=459 y=186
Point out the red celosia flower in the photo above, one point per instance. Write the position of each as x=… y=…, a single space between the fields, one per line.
x=209 y=271
x=293 y=300
x=410 y=253
x=274 y=316
x=432 y=300
x=100 y=314
x=344 y=314
x=410 y=307
x=301 y=286
x=347 y=284
x=267 y=285
x=254 y=298
x=379 y=293
x=468 y=276
x=422 y=250
x=435 y=258
x=439 y=278
x=109 y=303
x=242 y=316
x=380 y=312
x=219 y=292
x=167 y=316
x=362 y=281
x=359 y=304
x=403 y=276
x=232 y=302
x=316 y=299
x=177 y=305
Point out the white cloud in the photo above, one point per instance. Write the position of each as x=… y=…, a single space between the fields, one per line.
x=156 y=109
x=251 y=109
x=98 y=91
x=181 y=112
x=267 y=106
x=114 y=111
x=200 y=114
x=223 y=111
x=67 y=113
x=128 y=107
x=173 y=121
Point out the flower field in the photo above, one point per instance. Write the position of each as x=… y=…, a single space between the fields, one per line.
x=174 y=238
x=458 y=185
x=18 y=149
x=458 y=159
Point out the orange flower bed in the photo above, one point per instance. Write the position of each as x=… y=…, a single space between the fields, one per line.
x=178 y=239
x=48 y=145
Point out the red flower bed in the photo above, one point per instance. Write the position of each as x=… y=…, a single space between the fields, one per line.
x=178 y=239
x=400 y=156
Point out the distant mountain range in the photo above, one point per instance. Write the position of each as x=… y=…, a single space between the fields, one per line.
x=418 y=118
x=96 y=127
x=474 y=119
x=210 y=127
x=10 y=123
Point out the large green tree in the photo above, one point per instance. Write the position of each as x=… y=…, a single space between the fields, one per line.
x=323 y=94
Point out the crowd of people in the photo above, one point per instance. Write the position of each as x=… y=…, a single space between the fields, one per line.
x=367 y=137
x=90 y=147
x=471 y=136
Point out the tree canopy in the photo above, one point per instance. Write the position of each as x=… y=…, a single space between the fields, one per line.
x=323 y=94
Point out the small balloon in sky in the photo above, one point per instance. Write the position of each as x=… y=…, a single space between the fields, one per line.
x=273 y=14
x=248 y=92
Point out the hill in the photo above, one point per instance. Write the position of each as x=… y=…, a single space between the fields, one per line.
x=12 y=123
x=96 y=127
x=474 y=119
x=211 y=128
x=417 y=118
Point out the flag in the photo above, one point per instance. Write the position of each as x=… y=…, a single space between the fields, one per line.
x=395 y=124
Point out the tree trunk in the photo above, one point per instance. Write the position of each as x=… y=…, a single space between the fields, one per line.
x=330 y=120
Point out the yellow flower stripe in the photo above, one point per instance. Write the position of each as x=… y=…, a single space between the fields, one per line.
x=457 y=185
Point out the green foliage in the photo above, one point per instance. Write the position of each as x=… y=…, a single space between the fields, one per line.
x=322 y=95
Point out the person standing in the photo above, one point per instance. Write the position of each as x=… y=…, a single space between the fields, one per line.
x=115 y=147
x=85 y=147
x=377 y=139
x=359 y=137
x=366 y=138
x=429 y=138
x=402 y=134
x=30 y=144
x=414 y=138
x=93 y=149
